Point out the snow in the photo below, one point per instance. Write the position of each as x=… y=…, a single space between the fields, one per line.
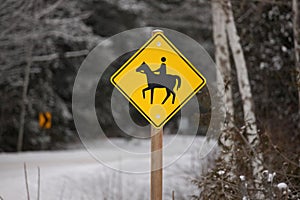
x=283 y=48
x=221 y=172
x=282 y=186
x=242 y=178
x=74 y=174
x=262 y=65
x=271 y=177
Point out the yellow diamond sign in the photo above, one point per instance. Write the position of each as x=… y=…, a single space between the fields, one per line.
x=158 y=80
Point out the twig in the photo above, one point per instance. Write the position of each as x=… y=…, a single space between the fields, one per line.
x=48 y=9
x=280 y=153
x=250 y=146
x=26 y=182
x=24 y=98
x=54 y=56
x=272 y=2
x=39 y=183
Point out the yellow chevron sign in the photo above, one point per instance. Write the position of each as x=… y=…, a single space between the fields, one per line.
x=45 y=120
x=158 y=80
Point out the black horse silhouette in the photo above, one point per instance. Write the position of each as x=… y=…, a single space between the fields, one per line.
x=167 y=81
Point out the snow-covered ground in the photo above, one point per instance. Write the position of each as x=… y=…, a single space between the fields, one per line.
x=74 y=174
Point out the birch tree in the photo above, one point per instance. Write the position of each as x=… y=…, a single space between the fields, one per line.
x=224 y=77
x=242 y=74
x=244 y=87
x=30 y=29
x=222 y=55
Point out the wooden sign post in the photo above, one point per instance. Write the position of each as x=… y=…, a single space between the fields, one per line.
x=156 y=163
x=156 y=158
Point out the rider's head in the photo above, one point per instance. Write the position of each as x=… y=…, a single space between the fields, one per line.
x=163 y=59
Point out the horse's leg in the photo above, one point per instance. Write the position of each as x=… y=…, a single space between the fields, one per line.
x=168 y=94
x=152 y=93
x=144 y=90
x=173 y=93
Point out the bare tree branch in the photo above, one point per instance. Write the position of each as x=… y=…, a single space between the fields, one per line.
x=26 y=182
x=71 y=54
x=39 y=184
x=24 y=98
x=49 y=9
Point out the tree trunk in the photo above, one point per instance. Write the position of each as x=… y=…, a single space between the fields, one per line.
x=244 y=87
x=296 y=46
x=222 y=56
x=24 y=98
x=224 y=77
x=242 y=75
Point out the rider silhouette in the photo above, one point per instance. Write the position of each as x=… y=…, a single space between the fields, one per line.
x=163 y=68
x=163 y=80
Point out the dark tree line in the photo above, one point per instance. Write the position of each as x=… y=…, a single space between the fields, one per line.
x=43 y=44
x=61 y=33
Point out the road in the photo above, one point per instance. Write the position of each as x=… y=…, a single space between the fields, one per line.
x=75 y=174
